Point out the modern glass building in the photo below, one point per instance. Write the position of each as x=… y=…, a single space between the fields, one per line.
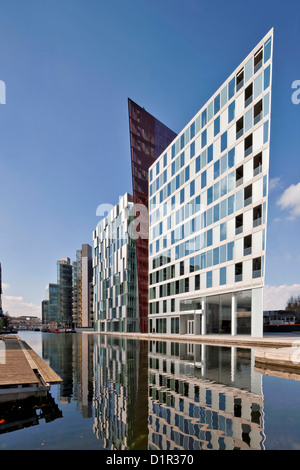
x=115 y=271
x=83 y=288
x=148 y=139
x=50 y=305
x=64 y=281
x=208 y=195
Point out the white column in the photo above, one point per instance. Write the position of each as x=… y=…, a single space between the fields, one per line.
x=203 y=317
x=233 y=315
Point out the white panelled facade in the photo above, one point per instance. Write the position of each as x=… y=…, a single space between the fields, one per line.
x=208 y=210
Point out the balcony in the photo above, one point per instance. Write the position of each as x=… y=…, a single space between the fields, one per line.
x=257 y=222
x=258 y=118
x=247 y=251
x=257 y=170
x=248 y=201
x=256 y=274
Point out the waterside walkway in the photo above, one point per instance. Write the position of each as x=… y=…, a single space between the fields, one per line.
x=270 y=351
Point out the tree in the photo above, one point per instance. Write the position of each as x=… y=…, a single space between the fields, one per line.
x=293 y=304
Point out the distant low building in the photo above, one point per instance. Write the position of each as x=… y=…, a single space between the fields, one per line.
x=281 y=317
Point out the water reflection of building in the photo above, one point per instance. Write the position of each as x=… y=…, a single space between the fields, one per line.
x=71 y=356
x=120 y=395
x=203 y=397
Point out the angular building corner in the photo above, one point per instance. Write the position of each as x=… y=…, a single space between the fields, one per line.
x=208 y=195
x=148 y=139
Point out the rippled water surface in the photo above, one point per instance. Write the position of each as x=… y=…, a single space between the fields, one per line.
x=127 y=394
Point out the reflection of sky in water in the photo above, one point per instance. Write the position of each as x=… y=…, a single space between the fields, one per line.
x=213 y=396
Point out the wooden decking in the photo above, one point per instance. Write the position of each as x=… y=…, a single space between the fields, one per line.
x=21 y=366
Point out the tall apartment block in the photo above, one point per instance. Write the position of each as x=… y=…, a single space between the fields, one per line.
x=64 y=281
x=83 y=288
x=148 y=139
x=115 y=270
x=50 y=305
x=208 y=194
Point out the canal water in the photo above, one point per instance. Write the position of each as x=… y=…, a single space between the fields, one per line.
x=127 y=394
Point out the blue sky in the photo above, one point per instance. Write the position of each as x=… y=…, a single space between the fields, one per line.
x=69 y=67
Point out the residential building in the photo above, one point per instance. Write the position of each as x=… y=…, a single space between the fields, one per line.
x=50 y=305
x=208 y=194
x=83 y=288
x=114 y=270
x=148 y=139
x=64 y=281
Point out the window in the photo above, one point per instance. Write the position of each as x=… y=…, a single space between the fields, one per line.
x=258 y=112
x=217 y=169
x=209 y=279
x=224 y=141
x=197 y=282
x=257 y=216
x=222 y=276
x=204 y=118
x=203 y=139
x=238 y=272
x=217 y=104
x=231 y=88
x=266 y=132
x=230 y=248
x=187 y=284
x=203 y=179
x=257 y=164
x=192 y=188
x=165 y=160
x=223 y=231
x=181 y=268
x=248 y=145
x=239 y=80
x=267 y=49
x=256 y=268
x=248 y=195
x=216 y=126
x=209 y=237
x=247 y=245
x=231 y=158
x=209 y=195
x=216 y=256
x=239 y=176
x=248 y=95
x=240 y=127
x=210 y=153
x=192 y=130
x=192 y=149
x=239 y=224
x=258 y=57
x=267 y=77
x=231 y=111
